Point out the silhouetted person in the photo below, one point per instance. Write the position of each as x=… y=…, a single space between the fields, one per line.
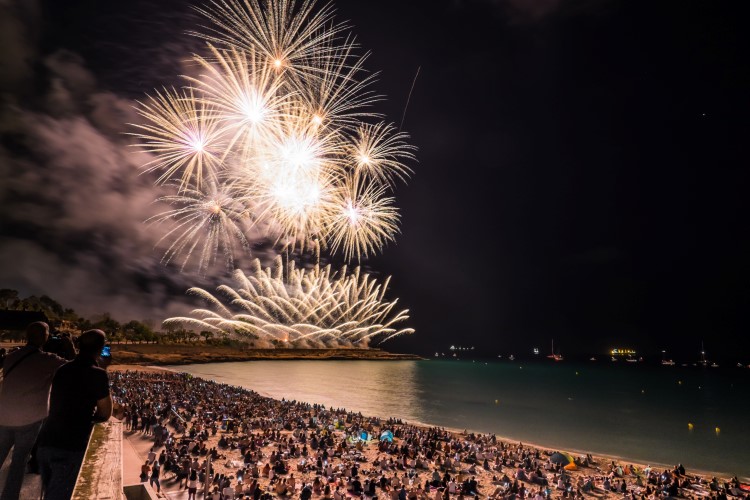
x=79 y=398
x=62 y=345
x=24 y=399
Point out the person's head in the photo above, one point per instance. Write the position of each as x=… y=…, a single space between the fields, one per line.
x=37 y=333
x=90 y=344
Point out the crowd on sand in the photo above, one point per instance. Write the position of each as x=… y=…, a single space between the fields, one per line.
x=236 y=444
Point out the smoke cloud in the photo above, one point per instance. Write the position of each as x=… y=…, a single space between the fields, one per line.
x=73 y=197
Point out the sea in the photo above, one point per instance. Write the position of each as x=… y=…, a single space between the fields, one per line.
x=656 y=415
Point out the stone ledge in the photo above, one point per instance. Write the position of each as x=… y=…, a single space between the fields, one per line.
x=100 y=477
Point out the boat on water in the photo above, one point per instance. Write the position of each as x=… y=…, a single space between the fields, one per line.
x=665 y=361
x=592 y=359
x=703 y=361
x=714 y=365
x=512 y=358
x=553 y=356
x=631 y=360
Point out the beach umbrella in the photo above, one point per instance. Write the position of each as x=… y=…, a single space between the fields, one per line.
x=386 y=436
x=363 y=436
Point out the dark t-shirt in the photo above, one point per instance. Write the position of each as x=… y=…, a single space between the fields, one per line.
x=76 y=388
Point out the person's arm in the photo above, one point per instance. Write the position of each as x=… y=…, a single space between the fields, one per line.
x=103 y=398
x=103 y=409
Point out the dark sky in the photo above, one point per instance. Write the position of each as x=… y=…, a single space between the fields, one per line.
x=582 y=175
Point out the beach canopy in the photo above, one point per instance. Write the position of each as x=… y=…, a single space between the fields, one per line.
x=561 y=458
x=386 y=436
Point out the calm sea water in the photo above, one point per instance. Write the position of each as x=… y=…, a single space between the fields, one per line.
x=637 y=412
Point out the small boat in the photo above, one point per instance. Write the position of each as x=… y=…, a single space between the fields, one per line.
x=714 y=365
x=553 y=356
x=703 y=361
x=614 y=359
x=631 y=360
x=536 y=350
x=739 y=365
x=667 y=362
x=512 y=358
x=592 y=359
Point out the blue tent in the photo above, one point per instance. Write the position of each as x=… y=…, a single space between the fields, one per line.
x=386 y=436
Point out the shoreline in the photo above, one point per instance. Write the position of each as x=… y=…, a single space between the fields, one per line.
x=602 y=459
x=191 y=354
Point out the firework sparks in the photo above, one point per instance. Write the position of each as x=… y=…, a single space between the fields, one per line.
x=362 y=219
x=207 y=218
x=300 y=306
x=182 y=135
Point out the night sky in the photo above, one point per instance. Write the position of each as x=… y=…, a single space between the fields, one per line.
x=582 y=174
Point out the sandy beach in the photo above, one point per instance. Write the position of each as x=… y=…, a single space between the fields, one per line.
x=494 y=463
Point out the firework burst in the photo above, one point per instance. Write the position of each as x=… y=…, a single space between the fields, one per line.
x=299 y=307
x=280 y=111
x=275 y=134
x=208 y=218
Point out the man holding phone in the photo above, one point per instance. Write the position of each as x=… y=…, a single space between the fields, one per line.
x=79 y=398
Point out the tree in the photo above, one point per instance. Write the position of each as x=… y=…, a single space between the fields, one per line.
x=137 y=331
x=206 y=335
x=51 y=307
x=106 y=323
x=8 y=296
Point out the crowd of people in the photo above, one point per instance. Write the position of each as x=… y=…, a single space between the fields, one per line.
x=236 y=444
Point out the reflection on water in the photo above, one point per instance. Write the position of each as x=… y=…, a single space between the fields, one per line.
x=637 y=412
x=382 y=388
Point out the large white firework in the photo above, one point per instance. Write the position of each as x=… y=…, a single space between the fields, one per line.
x=275 y=135
x=299 y=307
x=280 y=109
